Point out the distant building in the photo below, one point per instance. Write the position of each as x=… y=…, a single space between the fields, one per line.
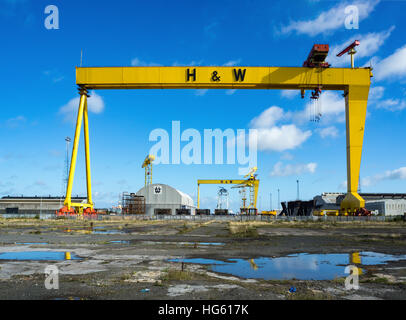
x=163 y=199
x=34 y=205
x=388 y=204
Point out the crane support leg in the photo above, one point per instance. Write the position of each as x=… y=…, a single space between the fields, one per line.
x=83 y=102
x=256 y=186
x=198 y=196
x=356 y=98
x=87 y=155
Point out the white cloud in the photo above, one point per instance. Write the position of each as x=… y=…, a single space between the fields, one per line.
x=270 y=136
x=139 y=63
x=369 y=44
x=95 y=104
x=40 y=183
x=290 y=94
x=230 y=92
x=391 y=104
x=328 y=132
x=54 y=74
x=192 y=63
x=343 y=185
x=372 y=62
x=15 y=122
x=330 y=20
x=287 y=156
x=279 y=170
x=209 y=30
x=376 y=93
x=392 y=66
x=282 y=138
x=232 y=63
x=268 y=118
x=276 y=138
x=201 y=92
x=332 y=108
x=397 y=174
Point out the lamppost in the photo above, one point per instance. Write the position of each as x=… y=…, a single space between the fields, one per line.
x=298 y=196
x=68 y=140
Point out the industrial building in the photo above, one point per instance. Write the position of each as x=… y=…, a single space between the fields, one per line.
x=33 y=205
x=161 y=199
x=388 y=204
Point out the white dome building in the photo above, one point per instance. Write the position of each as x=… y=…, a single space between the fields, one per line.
x=163 y=199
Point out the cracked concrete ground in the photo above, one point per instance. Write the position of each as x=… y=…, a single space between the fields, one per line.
x=129 y=259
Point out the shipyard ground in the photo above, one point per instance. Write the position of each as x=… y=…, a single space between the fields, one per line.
x=110 y=269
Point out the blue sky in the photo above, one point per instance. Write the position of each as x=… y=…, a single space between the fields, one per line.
x=38 y=91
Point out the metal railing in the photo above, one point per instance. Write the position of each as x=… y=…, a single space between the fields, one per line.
x=235 y=218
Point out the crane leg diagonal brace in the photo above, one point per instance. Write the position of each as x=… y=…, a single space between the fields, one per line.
x=354 y=82
x=82 y=117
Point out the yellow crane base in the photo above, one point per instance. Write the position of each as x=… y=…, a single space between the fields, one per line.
x=352 y=202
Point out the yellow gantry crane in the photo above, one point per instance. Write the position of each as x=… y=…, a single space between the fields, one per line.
x=251 y=182
x=353 y=82
x=147 y=164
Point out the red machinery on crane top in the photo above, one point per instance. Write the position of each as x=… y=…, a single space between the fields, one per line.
x=317 y=57
x=350 y=47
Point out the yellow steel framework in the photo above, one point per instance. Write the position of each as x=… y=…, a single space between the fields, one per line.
x=354 y=82
x=147 y=164
x=251 y=183
x=81 y=117
x=253 y=188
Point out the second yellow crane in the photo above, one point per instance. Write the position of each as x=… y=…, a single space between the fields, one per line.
x=251 y=182
x=147 y=164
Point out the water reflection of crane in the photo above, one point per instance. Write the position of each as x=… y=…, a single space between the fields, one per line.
x=253 y=264
x=355 y=259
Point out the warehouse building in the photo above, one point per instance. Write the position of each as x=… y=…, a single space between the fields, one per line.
x=388 y=204
x=161 y=199
x=33 y=205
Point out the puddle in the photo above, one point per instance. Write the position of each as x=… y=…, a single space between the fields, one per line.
x=374 y=258
x=108 y=232
x=36 y=255
x=82 y=231
x=184 y=243
x=211 y=243
x=31 y=243
x=300 y=266
x=92 y=231
x=199 y=243
x=120 y=241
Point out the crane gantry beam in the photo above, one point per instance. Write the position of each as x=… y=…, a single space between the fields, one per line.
x=221 y=77
x=354 y=82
